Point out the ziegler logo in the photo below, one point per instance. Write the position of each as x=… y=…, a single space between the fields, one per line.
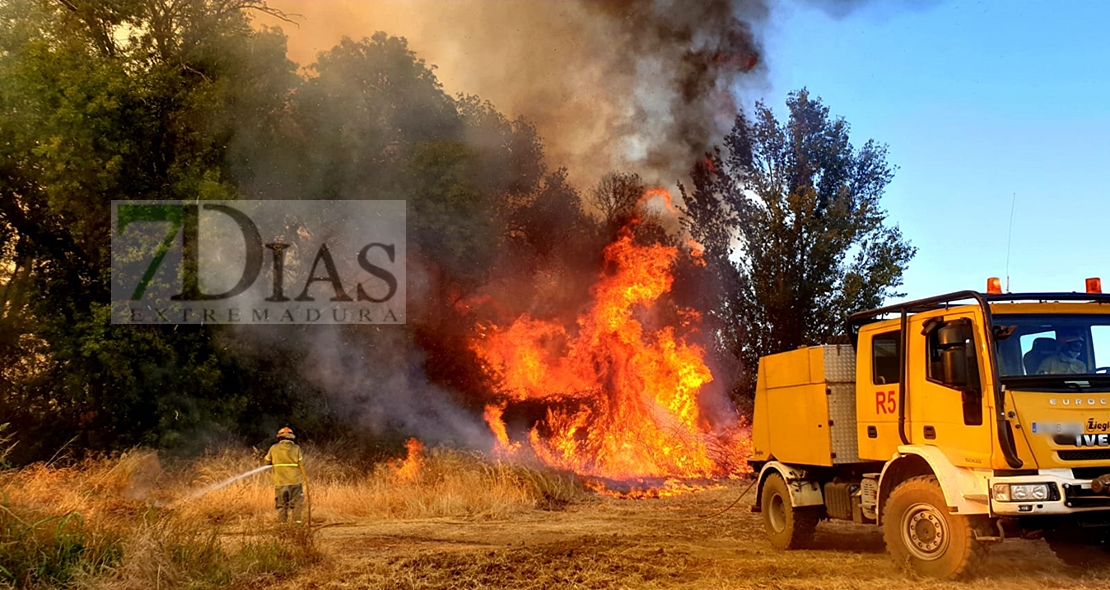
x=1093 y=426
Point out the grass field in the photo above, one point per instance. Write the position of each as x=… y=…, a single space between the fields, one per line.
x=131 y=522
x=601 y=542
x=441 y=519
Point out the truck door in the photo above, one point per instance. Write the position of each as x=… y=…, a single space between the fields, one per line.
x=946 y=405
x=878 y=358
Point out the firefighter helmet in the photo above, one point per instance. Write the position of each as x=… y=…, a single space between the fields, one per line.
x=286 y=433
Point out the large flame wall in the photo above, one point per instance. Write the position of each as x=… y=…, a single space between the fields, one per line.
x=622 y=399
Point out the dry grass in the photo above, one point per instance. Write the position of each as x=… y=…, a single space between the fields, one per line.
x=448 y=483
x=459 y=520
x=664 y=543
x=129 y=522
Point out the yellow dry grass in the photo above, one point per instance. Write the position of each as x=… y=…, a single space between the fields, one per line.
x=460 y=520
x=448 y=483
x=130 y=522
x=668 y=543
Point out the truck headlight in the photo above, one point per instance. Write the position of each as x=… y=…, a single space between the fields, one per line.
x=1026 y=492
x=1001 y=492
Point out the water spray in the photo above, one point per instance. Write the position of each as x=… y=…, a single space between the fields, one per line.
x=219 y=485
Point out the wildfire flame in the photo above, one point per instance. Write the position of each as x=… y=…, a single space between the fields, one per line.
x=697 y=251
x=620 y=399
x=408 y=470
x=663 y=195
x=493 y=415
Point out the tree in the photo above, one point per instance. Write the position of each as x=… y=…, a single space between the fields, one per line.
x=616 y=195
x=802 y=205
x=185 y=100
x=127 y=99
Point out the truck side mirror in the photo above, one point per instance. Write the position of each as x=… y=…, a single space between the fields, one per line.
x=954 y=339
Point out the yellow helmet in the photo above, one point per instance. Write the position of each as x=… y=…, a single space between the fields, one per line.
x=286 y=433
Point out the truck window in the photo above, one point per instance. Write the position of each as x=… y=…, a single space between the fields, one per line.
x=971 y=395
x=1100 y=340
x=1043 y=342
x=885 y=357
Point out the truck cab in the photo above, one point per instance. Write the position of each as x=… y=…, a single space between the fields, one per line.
x=965 y=419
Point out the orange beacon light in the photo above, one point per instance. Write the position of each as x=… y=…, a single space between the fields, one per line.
x=994 y=285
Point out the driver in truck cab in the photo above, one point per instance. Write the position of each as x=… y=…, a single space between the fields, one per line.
x=1066 y=360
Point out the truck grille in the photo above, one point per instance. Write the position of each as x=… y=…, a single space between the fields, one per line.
x=1099 y=455
x=1089 y=472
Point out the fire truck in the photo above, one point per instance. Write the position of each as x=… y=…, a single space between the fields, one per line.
x=953 y=422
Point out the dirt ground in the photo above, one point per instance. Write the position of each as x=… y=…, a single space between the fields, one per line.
x=659 y=543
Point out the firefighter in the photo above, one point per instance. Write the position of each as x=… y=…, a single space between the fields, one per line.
x=286 y=458
x=1066 y=360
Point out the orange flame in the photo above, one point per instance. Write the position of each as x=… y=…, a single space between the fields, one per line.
x=408 y=471
x=663 y=195
x=493 y=415
x=710 y=166
x=697 y=251
x=620 y=399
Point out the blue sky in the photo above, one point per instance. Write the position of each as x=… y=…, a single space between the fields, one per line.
x=977 y=102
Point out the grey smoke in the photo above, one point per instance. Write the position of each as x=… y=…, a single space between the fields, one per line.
x=377 y=381
x=640 y=86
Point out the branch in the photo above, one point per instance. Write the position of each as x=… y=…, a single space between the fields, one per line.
x=274 y=12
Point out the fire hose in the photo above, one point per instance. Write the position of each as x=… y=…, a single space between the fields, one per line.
x=714 y=515
x=730 y=506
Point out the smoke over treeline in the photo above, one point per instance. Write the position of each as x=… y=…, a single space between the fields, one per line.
x=641 y=86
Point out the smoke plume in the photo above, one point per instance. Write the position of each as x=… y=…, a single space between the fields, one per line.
x=611 y=85
x=643 y=86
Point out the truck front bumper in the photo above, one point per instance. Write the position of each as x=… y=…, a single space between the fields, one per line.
x=1066 y=495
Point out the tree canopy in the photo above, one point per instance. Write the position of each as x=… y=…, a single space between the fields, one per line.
x=790 y=214
x=166 y=99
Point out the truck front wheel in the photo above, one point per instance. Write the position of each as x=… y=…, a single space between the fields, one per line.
x=787 y=526
x=921 y=533
x=1078 y=547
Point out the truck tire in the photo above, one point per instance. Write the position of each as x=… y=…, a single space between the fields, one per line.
x=787 y=526
x=921 y=534
x=1077 y=548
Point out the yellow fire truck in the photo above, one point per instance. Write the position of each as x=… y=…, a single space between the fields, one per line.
x=952 y=422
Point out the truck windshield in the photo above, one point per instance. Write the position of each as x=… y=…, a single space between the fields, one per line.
x=1052 y=344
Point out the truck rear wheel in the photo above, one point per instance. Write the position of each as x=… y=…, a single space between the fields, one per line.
x=787 y=526
x=921 y=534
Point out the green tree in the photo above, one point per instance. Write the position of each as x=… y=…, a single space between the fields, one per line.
x=99 y=101
x=173 y=99
x=801 y=204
